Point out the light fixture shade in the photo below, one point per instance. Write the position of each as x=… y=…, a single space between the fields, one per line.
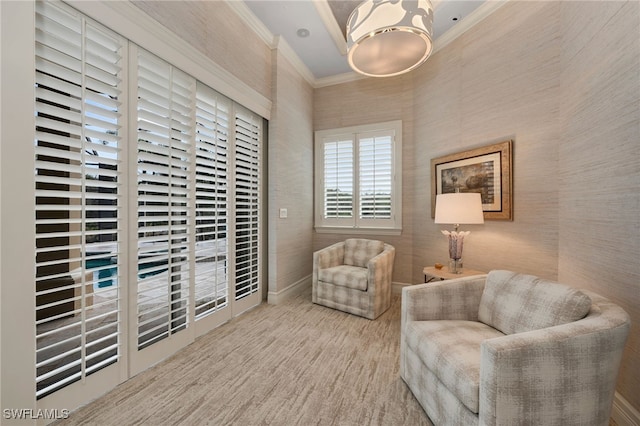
x=459 y=208
x=389 y=37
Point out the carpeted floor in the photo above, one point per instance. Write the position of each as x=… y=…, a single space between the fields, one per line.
x=292 y=364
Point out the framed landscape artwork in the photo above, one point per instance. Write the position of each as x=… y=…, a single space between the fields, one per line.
x=486 y=170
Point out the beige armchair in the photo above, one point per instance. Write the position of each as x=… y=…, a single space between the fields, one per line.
x=354 y=276
x=511 y=349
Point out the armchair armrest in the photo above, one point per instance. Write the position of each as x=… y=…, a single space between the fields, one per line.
x=457 y=299
x=327 y=257
x=544 y=369
x=380 y=270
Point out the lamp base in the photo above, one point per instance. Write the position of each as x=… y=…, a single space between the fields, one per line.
x=455 y=266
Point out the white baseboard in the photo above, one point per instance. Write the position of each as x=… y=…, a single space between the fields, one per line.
x=624 y=413
x=275 y=297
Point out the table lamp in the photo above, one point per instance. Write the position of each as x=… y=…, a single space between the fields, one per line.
x=458 y=208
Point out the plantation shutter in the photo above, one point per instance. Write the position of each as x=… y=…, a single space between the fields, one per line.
x=165 y=131
x=248 y=134
x=212 y=168
x=359 y=178
x=338 y=178
x=376 y=175
x=78 y=197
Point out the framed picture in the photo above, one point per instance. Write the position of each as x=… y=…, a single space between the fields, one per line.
x=486 y=170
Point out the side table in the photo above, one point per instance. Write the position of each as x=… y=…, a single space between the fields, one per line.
x=431 y=273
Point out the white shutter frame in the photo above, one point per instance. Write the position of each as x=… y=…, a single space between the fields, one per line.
x=166 y=117
x=375 y=178
x=338 y=155
x=78 y=196
x=247 y=212
x=387 y=220
x=211 y=289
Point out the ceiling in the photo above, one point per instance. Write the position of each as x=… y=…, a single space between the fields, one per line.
x=323 y=49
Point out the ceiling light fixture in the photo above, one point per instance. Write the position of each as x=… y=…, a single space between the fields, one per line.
x=389 y=37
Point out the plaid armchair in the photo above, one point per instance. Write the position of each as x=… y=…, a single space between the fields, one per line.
x=354 y=276
x=511 y=349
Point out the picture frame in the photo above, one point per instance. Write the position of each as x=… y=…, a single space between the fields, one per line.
x=486 y=170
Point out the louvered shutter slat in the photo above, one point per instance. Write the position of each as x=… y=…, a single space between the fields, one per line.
x=338 y=179
x=375 y=179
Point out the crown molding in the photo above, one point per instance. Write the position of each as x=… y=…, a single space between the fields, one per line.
x=334 y=30
x=249 y=18
x=468 y=22
x=338 y=79
x=271 y=40
x=287 y=51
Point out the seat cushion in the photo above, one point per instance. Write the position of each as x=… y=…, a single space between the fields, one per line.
x=358 y=251
x=451 y=350
x=515 y=303
x=345 y=276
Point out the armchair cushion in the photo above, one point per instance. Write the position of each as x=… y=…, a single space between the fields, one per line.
x=345 y=276
x=450 y=347
x=515 y=303
x=358 y=251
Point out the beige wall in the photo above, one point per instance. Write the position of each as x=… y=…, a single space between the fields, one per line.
x=599 y=161
x=561 y=79
x=499 y=81
x=290 y=177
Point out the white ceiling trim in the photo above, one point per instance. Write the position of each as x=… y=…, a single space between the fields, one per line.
x=324 y=10
x=252 y=21
x=338 y=79
x=287 y=51
x=274 y=42
x=468 y=22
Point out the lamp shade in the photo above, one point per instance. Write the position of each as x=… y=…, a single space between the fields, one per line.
x=459 y=208
x=389 y=37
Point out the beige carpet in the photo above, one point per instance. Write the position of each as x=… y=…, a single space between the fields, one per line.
x=292 y=364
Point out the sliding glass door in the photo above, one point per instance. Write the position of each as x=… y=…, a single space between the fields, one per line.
x=148 y=207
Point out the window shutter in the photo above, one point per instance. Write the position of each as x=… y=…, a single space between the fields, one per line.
x=248 y=134
x=212 y=166
x=78 y=199
x=165 y=130
x=376 y=176
x=338 y=178
x=358 y=173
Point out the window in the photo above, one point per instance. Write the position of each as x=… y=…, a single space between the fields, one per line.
x=358 y=178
